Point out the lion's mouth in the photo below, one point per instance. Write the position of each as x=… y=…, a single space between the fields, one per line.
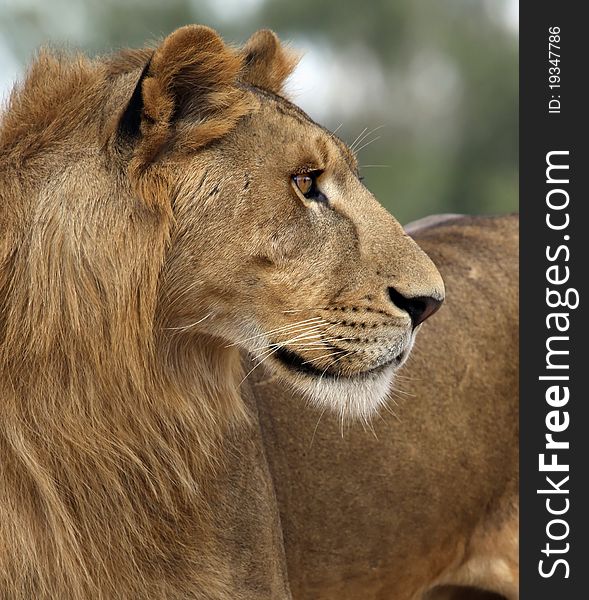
x=295 y=362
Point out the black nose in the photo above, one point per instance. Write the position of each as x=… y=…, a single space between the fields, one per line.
x=418 y=308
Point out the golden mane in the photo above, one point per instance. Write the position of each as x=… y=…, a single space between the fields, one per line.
x=100 y=423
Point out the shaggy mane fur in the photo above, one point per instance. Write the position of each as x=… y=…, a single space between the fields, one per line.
x=101 y=420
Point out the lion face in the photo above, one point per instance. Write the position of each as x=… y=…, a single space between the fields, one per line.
x=279 y=249
x=207 y=214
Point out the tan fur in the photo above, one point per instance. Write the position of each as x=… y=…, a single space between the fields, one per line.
x=267 y=62
x=149 y=229
x=426 y=499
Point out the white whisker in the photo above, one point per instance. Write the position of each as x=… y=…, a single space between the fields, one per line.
x=257 y=365
x=272 y=351
x=357 y=138
x=348 y=352
x=363 y=136
x=367 y=144
x=189 y=326
x=391 y=411
x=398 y=390
x=315 y=343
x=324 y=356
x=294 y=310
x=311 y=321
x=317 y=425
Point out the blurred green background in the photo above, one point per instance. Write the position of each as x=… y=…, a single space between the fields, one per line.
x=431 y=85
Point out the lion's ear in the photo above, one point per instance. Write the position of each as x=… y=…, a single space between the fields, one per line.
x=129 y=125
x=191 y=77
x=267 y=63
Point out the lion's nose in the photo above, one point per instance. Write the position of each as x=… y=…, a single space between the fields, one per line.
x=419 y=308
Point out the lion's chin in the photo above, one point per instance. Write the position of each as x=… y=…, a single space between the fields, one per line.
x=352 y=398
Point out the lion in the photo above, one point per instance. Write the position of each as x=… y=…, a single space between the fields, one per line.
x=162 y=211
x=426 y=504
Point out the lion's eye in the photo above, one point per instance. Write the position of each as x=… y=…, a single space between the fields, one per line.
x=306 y=183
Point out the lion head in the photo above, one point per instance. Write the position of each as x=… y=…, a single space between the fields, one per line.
x=161 y=211
x=181 y=192
x=280 y=249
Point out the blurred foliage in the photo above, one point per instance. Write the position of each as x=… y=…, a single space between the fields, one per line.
x=446 y=112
